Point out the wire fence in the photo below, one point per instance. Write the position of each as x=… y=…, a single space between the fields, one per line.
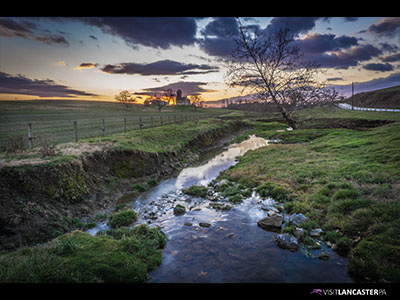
x=29 y=135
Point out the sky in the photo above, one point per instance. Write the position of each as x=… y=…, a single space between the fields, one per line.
x=94 y=58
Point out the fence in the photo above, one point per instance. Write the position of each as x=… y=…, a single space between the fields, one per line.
x=64 y=131
x=348 y=106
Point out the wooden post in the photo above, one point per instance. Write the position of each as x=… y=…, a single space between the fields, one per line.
x=103 y=128
x=76 y=131
x=352 y=95
x=30 y=136
x=124 y=124
x=140 y=123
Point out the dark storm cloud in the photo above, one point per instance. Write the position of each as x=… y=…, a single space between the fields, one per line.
x=187 y=87
x=319 y=43
x=10 y=27
x=350 y=19
x=162 y=67
x=218 y=37
x=345 y=58
x=386 y=26
x=391 y=58
x=378 y=67
x=157 y=32
x=296 y=25
x=19 y=84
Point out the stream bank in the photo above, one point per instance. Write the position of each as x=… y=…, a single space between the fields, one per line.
x=41 y=202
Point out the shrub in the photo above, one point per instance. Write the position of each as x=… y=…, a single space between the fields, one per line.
x=343 y=193
x=236 y=199
x=122 y=218
x=139 y=188
x=118 y=255
x=347 y=206
x=275 y=191
x=152 y=182
x=196 y=191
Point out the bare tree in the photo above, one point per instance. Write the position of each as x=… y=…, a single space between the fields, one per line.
x=125 y=98
x=157 y=101
x=272 y=67
x=196 y=100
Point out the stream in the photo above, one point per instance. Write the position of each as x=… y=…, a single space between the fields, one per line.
x=208 y=245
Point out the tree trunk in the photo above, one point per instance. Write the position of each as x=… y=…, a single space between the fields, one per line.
x=290 y=121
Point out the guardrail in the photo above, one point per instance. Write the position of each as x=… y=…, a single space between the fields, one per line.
x=350 y=107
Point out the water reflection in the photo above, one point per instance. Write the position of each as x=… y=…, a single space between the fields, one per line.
x=231 y=248
x=202 y=175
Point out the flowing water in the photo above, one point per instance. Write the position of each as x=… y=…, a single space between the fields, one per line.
x=209 y=245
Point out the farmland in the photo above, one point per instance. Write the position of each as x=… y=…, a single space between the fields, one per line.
x=53 y=120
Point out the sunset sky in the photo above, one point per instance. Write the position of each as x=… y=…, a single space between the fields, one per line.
x=94 y=58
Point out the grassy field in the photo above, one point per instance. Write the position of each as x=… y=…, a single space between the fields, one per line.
x=346 y=181
x=53 y=120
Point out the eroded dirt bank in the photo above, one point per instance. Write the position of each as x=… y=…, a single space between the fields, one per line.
x=39 y=202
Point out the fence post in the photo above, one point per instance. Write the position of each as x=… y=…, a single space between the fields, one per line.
x=103 y=128
x=76 y=131
x=140 y=123
x=30 y=137
x=124 y=124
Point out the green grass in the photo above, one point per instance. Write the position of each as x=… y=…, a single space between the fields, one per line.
x=168 y=138
x=122 y=255
x=346 y=181
x=336 y=112
x=53 y=119
x=196 y=190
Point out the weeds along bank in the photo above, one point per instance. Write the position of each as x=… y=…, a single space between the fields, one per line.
x=346 y=181
x=44 y=197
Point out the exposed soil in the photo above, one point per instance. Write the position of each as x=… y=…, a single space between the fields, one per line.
x=41 y=201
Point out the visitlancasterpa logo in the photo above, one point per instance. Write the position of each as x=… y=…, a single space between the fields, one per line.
x=349 y=292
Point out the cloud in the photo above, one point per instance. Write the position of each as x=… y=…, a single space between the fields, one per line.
x=378 y=67
x=319 y=43
x=20 y=84
x=156 y=32
x=86 y=65
x=187 y=87
x=218 y=37
x=391 y=58
x=335 y=79
x=296 y=25
x=162 y=67
x=343 y=59
x=9 y=27
x=374 y=84
x=386 y=26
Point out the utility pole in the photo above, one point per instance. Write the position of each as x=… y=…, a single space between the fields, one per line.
x=352 y=96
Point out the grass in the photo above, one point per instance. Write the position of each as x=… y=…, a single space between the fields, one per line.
x=196 y=191
x=345 y=181
x=121 y=255
x=168 y=138
x=53 y=119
